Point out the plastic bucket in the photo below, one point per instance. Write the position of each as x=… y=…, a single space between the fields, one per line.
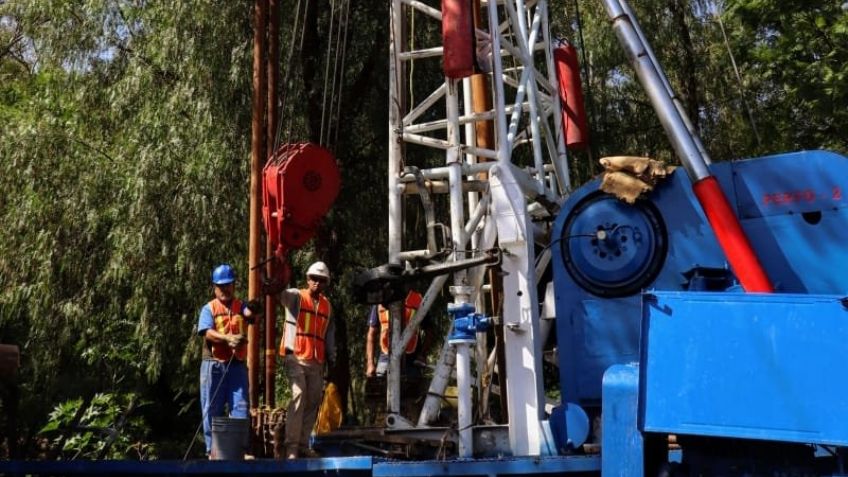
x=229 y=438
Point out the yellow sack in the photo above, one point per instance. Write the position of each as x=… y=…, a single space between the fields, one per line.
x=330 y=413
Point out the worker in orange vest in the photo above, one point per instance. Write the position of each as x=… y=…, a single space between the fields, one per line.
x=223 y=373
x=308 y=342
x=416 y=353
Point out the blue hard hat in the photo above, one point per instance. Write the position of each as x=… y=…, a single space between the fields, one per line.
x=223 y=275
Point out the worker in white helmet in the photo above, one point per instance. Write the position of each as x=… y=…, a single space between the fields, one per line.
x=308 y=342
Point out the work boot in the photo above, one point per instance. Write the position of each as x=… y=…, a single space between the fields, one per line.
x=291 y=452
x=307 y=452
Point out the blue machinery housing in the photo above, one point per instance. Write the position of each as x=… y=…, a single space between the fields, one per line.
x=656 y=339
x=690 y=355
x=792 y=206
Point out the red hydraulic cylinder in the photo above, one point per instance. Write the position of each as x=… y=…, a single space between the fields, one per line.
x=458 y=38
x=574 y=125
x=731 y=237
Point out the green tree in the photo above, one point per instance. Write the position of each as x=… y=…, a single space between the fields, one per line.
x=125 y=139
x=794 y=55
x=124 y=151
x=790 y=57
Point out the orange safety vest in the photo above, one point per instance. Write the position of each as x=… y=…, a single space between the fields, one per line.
x=312 y=323
x=228 y=321
x=410 y=306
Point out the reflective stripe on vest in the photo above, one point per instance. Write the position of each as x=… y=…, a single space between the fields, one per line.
x=312 y=323
x=410 y=306
x=228 y=322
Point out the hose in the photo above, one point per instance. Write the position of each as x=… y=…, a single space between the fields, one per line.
x=206 y=410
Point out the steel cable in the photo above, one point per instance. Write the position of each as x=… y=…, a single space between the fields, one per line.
x=206 y=410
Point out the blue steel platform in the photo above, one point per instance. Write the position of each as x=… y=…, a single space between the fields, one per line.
x=525 y=466
x=341 y=466
x=347 y=466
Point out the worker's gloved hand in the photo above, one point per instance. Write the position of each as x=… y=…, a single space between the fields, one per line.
x=272 y=286
x=256 y=308
x=235 y=340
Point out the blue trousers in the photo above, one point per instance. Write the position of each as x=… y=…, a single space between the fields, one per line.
x=231 y=386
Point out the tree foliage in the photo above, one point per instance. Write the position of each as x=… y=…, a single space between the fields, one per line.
x=125 y=147
x=790 y=57
x=795 y=54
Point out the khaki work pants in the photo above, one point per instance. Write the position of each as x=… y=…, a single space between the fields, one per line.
x=306 y=380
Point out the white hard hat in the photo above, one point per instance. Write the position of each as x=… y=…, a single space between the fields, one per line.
x=318 y=269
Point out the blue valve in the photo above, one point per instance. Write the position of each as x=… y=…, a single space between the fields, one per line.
x=466 y=323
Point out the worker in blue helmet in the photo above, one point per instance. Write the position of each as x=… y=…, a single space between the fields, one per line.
x=223 y=372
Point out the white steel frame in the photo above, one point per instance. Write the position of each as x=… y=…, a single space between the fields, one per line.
x=526 y=114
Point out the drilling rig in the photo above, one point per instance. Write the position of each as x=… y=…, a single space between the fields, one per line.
x=695 y=330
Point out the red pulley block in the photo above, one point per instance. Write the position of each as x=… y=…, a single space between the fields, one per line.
x=458 y=38
x=300 y=184
x=574 y=125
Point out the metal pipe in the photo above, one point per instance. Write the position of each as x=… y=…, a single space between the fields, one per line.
x=731 y=237
x=516 y=112
x=625 y=28
x=396 y=106
x=532 y=92
x=499 y=100
x=680 y=109
x=455 y=176
x=257 y=157
x=471 y=140
x=503 y=158
x=424 y=105
x=482 y=134
x=561 y=159
x=424 y=8
x=516 y=52
x=442 y=172
x=446 y=145
x=459 y=290
x=395 y=133
x=464 y=411
x=473 y=117
x=270 y=136
x=488 y=236
x=420 y=54
x=393 y=373
x=441 y=377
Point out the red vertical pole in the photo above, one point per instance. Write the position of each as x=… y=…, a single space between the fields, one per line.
x=257 y=157
x=271 y=136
